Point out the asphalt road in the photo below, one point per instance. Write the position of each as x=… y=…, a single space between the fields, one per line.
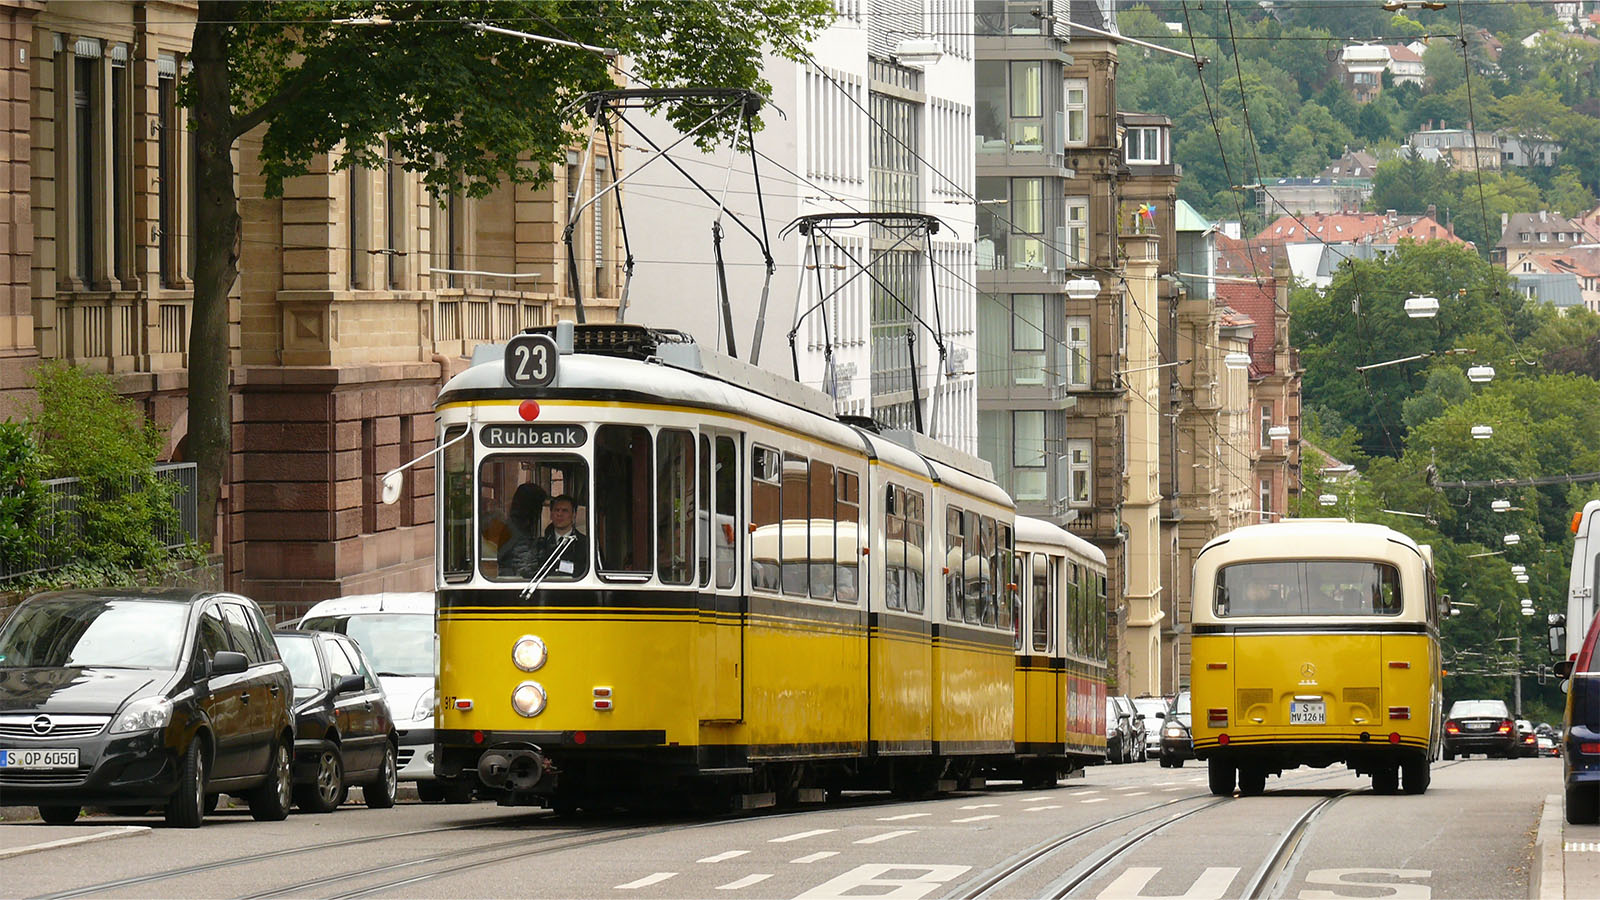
x=1120 y=831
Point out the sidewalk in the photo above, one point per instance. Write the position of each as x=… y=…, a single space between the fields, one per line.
x=1566 y=858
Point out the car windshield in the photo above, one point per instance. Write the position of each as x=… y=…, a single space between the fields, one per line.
x=1149 y=706
x=304 y=667
x=1494 y=709
x=1182 y=706
x=396 y=643
x=106 y=632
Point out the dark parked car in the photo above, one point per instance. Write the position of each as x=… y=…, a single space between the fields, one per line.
x=1119 y=728
x=1527 y=741
x=1580 y=765
x=1480 y=726
x=344 y=732
x=1177 y=742
x=136 y=700
x=1133 y=720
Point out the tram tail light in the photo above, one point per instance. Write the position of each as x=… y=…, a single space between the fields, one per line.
x=602 y=699
x=1217 y=717
x=463 y=704
x=1399 y=712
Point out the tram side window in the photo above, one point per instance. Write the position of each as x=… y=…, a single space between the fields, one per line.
x=623 y=472
x=954 y=563
x=766 y=512
x=916 y=559
x=675 y=507
x=1308 y=588
x=727 y=530
x=821 y=527
x=455 y=486
x=1020 y=577
x=987 y=601
x=794 y=549
x=703 y=514
x=1072 y=639
x=972 y=566
x=847 y=586
x=520 y=536
x=1005 y=581
x=1044 y=603
x=1102 y=616
x=894 y=548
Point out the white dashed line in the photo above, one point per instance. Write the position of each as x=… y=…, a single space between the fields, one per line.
x=1170 y=790
x=1038 y=808
x=1137 y=794
x=981 y=806
x=1033 y=799
x=886 y=836
x=815 y=857
x=1093 y=800
x=973 y=819
x=902 y=818
x=801 y=836
x=722 y=856
x=646 y=881
x=743 y=882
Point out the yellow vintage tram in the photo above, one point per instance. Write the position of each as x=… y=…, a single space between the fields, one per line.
x=1316 y=641
x=748 y=599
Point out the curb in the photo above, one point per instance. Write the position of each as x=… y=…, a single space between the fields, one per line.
x=1548 y=878
x=121 y=831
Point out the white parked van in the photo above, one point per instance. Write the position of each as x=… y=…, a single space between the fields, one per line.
x=1583 y=586
x=395 y=630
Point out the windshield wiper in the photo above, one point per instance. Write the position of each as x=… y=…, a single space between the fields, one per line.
x=549 y=563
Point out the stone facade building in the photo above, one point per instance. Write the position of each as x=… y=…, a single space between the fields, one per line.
x=359 y=293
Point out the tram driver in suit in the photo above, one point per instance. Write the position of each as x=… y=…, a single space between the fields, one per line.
x=574 y=558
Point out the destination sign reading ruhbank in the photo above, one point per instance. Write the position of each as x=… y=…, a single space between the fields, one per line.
x=555 y=436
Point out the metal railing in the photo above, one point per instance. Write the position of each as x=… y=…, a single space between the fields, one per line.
x=63 y=522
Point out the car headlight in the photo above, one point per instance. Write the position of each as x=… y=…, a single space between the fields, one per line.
x=424 y=709
x=528 y=699
x=528 y=653
x=144 y=715
x=1174 y=731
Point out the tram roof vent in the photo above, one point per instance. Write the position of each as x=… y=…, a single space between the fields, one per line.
x=941 y=452
x=628 y=341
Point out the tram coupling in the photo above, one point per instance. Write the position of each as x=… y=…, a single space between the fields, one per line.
x=518 y=768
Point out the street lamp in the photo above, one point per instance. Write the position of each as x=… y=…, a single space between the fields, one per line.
x=1082 y=288
x=1422 y=307
x=1237 y=361
x=918 y=52
x=1519 y=570
x=1482 y=432
x=1500 y=505
x=1512 y=539
x=1480 y=374
x=1522 y=579
x=1327 y=499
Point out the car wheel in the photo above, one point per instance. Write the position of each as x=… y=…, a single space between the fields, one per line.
x=1449 y=754
x=1221 y=776
x=187 y=808
x=380 y=791
x=270 y=802
x=1583 y=804
x=429 y=792
x=1252 y=781
x=1177 y=763
x=328 y=791
x=460 y=792
x=1415 y=774
x=59 y=815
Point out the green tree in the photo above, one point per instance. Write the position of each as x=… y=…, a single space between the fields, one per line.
x=1442 y=62
x=1446 y=385
x=466 y=110
x=24 y=505
x=1409 y=184
x=1567 y=193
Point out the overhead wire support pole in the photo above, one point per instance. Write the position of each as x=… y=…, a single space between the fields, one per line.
x=622 y=223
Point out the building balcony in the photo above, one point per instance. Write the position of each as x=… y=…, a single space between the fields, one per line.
x=117 y=332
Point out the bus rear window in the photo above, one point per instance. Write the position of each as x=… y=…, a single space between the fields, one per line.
x=1308 y=588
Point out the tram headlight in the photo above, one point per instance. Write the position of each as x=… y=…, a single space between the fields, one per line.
x=528 y=699
x=528 y=653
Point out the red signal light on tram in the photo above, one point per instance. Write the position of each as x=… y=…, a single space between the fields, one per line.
x=1222 y=739
x=1394 y=737
x=528 y=410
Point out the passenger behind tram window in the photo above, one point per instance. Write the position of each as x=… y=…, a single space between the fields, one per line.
x=520 y=540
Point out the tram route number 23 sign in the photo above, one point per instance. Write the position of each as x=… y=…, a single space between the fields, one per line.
x=531 y=361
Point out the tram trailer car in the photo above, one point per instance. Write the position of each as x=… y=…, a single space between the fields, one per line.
x=1316 y=641
x=765 y=603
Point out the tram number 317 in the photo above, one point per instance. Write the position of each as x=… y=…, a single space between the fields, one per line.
x=531 y=360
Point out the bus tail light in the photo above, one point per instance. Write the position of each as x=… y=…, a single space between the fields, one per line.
x=1399 y=712
x=1217 y=717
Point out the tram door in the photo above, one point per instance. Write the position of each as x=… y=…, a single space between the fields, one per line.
x=722 y=634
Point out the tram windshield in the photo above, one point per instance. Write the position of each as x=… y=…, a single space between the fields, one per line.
x=533 y=516
x=1308 y=588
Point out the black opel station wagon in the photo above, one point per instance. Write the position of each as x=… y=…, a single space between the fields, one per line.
x=139 y=700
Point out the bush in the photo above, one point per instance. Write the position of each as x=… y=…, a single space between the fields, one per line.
x=24 y=504
x=85 y=429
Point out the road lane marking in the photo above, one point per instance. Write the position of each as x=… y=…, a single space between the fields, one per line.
x=1212 y=884
x=1038 y=808
x=801 y=835
x=743 y=882
x=1138 y=793
x=1034 y=799
x=646 y=881
x=1093 y=800
x=973 y=819
x=981 y=806
x=121 y=831
x=902 y=818
x=913 y=882
x=886 y=836
x=815 y=857
x=722 y=856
